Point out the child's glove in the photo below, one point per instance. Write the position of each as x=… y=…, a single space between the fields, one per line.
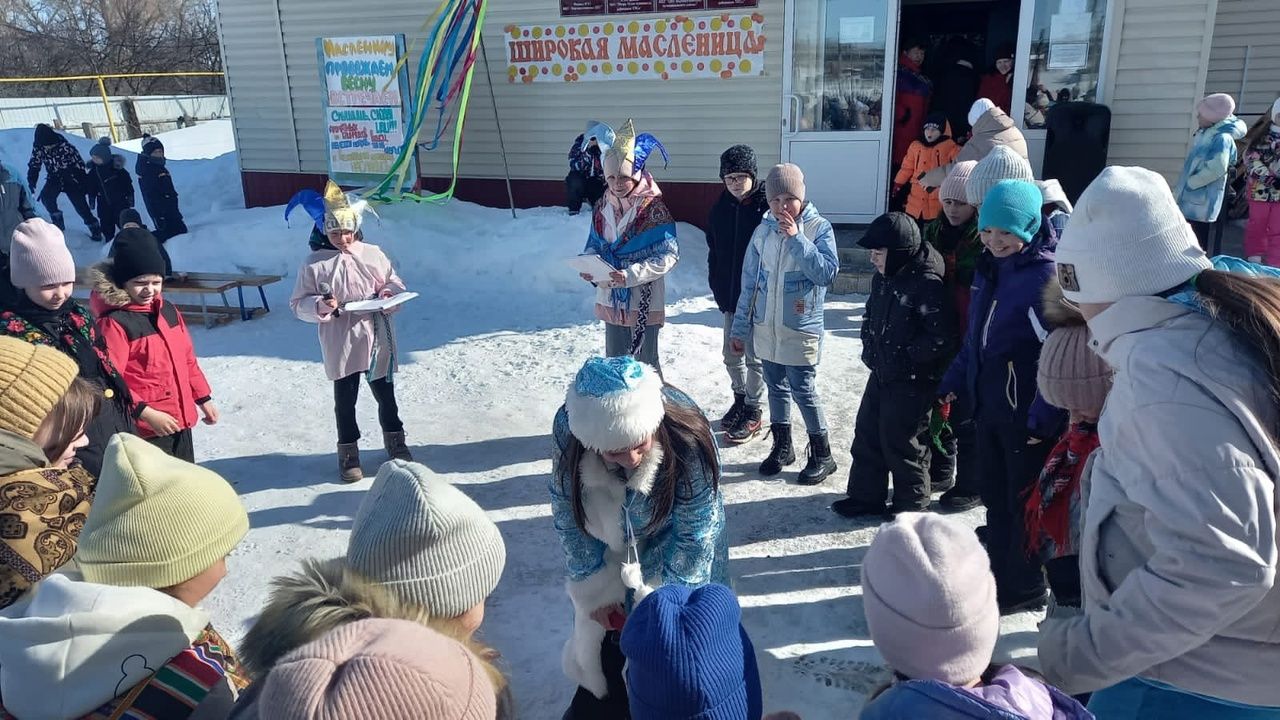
x=940 y=426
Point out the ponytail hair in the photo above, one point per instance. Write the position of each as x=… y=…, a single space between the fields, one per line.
x=1251 y=307
x=1257 y=133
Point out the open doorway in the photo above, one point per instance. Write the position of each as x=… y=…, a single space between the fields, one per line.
x=964 y=50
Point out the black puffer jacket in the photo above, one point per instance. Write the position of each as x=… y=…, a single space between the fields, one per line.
x=908 y=331
x=729 y=231
x=60 y=160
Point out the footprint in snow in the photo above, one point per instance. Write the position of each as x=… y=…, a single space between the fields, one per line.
x=854 y=675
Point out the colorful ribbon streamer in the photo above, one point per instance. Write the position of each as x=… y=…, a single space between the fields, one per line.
x=444 y=76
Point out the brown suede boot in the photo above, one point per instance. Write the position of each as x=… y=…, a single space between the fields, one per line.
x=395 y=446
x=349 y=462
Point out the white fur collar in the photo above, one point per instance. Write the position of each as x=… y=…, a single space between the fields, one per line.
x=603 y=496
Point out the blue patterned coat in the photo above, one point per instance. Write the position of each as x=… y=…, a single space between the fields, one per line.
x=690 y=548
x=1204 y=175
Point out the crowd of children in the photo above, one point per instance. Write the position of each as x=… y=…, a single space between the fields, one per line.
x=1009 y=342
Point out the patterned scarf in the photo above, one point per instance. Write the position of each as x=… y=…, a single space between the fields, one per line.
x=75 y=333
x=42 y=512
x=630 y=230
x=1053 y=504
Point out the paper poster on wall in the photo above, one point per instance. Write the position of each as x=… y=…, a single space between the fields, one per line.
x=669 y=48
x=363 y=105
x=1068 y=56
x=857 y=30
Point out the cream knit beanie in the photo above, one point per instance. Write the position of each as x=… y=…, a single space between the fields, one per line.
x=1126 y=238
x=426 y=541
x=33 y=378
x=1002 y=163
x=157 y=521
x=930 y=598
x=953 y=188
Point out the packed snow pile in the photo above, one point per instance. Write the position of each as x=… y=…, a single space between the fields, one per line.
x=488 y=349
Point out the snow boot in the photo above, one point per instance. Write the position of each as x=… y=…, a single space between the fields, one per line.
x=95 y=232
x=782 y=454
x=748 y=424
x=58 y=222
x=850 y=508
x=958 y=499
x=820 y=464
x=349 y=462
x=730 y=418
x=395 y=446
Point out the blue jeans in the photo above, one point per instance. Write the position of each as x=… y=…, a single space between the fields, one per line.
x=1136 y=698
x=800 y=382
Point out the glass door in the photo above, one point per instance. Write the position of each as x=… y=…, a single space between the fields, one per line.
x=837 y=117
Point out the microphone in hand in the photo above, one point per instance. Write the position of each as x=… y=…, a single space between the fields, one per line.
x=326 y=294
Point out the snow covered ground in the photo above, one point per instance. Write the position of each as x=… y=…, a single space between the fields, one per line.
x=488 y=349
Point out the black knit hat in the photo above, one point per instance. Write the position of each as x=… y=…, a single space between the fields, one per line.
x=892 y=231
x=130 y=215
x=150 y=144
x=738 y=159
x=45 y=135
x=135 y=252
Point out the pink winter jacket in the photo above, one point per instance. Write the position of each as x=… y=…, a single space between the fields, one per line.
x=348 y=341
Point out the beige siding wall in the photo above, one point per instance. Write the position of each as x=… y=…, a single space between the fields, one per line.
x=695 y=119
x=1252 y=26
x=1158 y=73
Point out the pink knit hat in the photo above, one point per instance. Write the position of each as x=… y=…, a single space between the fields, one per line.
x=930 y=598
x=1216 y=107
x=39 y=256
x=384 y=669
x=953 y=187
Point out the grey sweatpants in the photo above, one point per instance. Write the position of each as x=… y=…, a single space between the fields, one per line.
x=746 y=375
x=617 y=342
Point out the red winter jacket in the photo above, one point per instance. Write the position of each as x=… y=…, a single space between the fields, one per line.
x=152 y=348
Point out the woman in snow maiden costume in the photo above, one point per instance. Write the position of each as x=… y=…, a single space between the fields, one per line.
x=343 y=268
x=1178 y=548
x=789 y=265
x=636 y=501
x=633 y=231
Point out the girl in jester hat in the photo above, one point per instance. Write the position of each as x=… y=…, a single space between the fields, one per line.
x=633 y=231
x=636 y=502
x=343 y=268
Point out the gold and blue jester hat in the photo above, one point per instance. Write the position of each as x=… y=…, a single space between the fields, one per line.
x=630 y=152
x=334 y=210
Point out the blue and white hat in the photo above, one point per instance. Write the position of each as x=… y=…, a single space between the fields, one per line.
x=614 y=403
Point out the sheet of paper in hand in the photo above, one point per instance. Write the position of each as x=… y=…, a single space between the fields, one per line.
x=379 y=304
x=591 y=265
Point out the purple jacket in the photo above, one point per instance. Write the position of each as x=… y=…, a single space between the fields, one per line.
x=1010 y=695
x=996 y=367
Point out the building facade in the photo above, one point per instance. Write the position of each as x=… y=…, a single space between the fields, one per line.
x=817 y=97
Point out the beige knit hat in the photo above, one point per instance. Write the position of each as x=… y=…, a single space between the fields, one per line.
x=785 y=179
x=1071 y=375
x=33 y=378
x=1002 y=163
x=157 y=521
x=953 y=188
x=377 y=668
x=426 y=541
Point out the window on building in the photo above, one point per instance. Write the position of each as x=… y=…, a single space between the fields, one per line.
x=838 y=64
x=1066 y=55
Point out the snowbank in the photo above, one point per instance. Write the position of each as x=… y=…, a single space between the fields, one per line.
x=203 y=141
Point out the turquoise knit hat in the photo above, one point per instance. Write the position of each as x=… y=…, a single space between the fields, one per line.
x=1013 y=206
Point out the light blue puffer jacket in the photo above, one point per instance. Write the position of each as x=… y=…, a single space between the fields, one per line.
x=1204 y=176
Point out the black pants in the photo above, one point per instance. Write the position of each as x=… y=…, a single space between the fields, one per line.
x=108 y=219
x=169 y=226
x=614 y=706
x=963 y=445
x=891 y=437
x=942 y=462
x=49 y=198
x=1007 y=466
x=112 y=418
x=345 y=392
x=178 y=445
x=1209 y=235
x=1064 y=580
x=578 y=187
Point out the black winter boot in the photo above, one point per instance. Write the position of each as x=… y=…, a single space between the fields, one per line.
x=95 y=232
x=731 y=418
x=820 y=464
x=747 y=424
x=782 y=454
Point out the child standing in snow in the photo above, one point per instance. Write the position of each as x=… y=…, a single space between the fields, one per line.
x=789 y=266
x=153 y=547
x=64 y=174
x=733 y=221
x=343 y=268
x=15 y=206
x=158 y=193
x=634 y=233
x=907 y=342
x=636 y=502
x=43 y=312
x=1262 y=163
x=953 y=466
x=148 y=340
x=1073 y=377
x=585 y=181
x=1203 y=183
x=933 y=150
x=930 y=602
x=110 y=188
x=995 y=372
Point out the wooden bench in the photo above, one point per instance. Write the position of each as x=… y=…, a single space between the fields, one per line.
x=202 y=285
